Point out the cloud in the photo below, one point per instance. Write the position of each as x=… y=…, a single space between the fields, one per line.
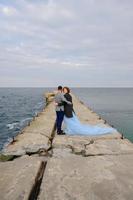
x=8 y=11
x=59 y=38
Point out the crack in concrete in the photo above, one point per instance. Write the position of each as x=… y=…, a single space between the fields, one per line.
x=83 y=153
x=108 y=154
x=38 y=180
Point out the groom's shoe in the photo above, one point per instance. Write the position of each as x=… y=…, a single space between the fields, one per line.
x=61 y=133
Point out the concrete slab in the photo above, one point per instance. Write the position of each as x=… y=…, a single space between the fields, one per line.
x=88 y=178
x=107 y=147
x=65 y=140
x=18 y=177
x=86 y=147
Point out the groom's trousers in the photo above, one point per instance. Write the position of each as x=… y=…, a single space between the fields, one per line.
x=59 y=120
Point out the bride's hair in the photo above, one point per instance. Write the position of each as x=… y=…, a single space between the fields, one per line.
x=67 y=88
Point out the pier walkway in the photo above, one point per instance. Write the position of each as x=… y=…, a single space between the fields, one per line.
x=44 y=166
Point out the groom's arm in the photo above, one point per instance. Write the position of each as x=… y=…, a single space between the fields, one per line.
x=63 y=99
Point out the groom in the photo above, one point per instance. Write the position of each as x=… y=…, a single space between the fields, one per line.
x=59 y=102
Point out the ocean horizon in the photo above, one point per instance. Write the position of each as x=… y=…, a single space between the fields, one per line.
x=18 y=106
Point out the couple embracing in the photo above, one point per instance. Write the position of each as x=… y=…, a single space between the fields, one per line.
x=72 y=126
x=64 y=107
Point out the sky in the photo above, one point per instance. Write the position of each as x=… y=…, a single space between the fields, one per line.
x=76 y=43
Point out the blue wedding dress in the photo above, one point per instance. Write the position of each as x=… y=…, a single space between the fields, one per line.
x=74 y=127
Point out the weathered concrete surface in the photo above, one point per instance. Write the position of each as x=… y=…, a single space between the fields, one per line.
x=88 y=178
x=65 y=140
x=36 y=135
x=89 y=167
x=18 y=177
x=89 y=147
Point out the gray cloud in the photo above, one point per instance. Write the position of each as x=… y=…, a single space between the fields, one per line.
x=73 y=42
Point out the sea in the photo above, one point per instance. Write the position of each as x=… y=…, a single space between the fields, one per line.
x=18 y=106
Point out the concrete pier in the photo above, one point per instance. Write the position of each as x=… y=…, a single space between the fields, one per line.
x=46 y=166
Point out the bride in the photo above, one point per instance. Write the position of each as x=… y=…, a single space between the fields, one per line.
x=72 y=124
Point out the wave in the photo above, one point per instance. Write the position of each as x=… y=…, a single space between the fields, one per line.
x=12 y=125
x=18 y=125
x=25 y=121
